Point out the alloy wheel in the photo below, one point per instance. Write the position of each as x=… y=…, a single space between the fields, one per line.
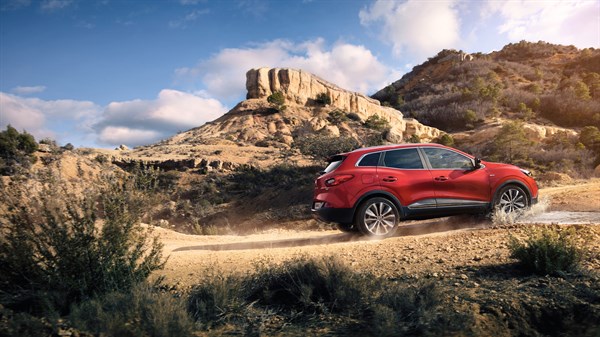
x=379 y=218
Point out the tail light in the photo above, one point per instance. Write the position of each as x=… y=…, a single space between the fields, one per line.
x=336 y=180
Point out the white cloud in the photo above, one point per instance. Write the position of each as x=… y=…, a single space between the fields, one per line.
x=21 y=90
x=140 y=122
x=126 y=135
x=564 y=22
x=52 y=5
x=56 y=119
x=349 y=66
x=188 y=18
x=419 y=28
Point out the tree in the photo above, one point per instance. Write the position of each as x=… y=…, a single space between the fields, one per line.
x=511 y=143
x=445 y=139
x=16 y=150
x=590 y=138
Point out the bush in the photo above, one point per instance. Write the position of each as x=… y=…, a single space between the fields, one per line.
x=276 y=98
x=547 y=250
x=415 y=310
x=53 y=253
x=337 y=117
x=310 y=286
x=445 y=139
x=323 y=98
x=376 y=122
x=217 y=300
x=321 y=147
x=16 y=150
x=144 y=311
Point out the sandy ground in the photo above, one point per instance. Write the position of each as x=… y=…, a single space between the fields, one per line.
x=440 y=248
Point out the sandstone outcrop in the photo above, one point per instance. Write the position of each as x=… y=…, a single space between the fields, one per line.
x=301 y=88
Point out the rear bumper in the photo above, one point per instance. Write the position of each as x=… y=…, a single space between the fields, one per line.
x=337 y=215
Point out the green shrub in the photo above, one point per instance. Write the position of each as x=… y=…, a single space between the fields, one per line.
x=415 y=310
x=143 y=311
x=445 y=139
x=337 y=117
x=217 y=300
x=277 y=101
x=16 y=150
x=310 y=286
x=547 y=250
x=276 y=98
x=54 y=254
x=323 y=98
x=354 y=116
x=376 y=122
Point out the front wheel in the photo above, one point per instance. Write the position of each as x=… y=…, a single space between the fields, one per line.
x=377 y=217
x=512 y=199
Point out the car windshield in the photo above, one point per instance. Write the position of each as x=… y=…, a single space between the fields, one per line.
x=334 y=162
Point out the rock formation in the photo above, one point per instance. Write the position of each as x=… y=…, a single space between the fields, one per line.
x=301 y=88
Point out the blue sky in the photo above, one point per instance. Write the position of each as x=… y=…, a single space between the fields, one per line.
x=109 y=72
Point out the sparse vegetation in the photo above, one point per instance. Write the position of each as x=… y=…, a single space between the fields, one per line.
x=337 y=117
x=321 y=147
x=277 y=100
x=547 y=250
x=323 y=99
x=376 y=122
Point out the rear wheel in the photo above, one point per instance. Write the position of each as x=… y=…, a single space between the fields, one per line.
x=348 y=228
x=511 y=199
x=377 y=217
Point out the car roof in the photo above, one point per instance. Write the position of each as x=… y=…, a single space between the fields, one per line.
x=391 y=147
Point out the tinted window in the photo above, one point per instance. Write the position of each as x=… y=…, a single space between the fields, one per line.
x=446 y=159
x=370 y=160
x=403 y=159
x=334 y=162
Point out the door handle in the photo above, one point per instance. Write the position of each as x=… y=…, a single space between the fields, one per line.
x=441 y=178
x=390 y=179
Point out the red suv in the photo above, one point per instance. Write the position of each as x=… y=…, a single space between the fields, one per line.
x=370 y=190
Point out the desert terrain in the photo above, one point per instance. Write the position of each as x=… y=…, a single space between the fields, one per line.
x=441 y=248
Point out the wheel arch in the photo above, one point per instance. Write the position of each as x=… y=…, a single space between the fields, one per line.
x=508 y=183
x=375 y=194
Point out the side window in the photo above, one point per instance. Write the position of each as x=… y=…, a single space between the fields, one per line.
x=446 y=159
x=370 y=160
x=403 y=159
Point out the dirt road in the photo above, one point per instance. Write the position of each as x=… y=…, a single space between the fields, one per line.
x=441 y=248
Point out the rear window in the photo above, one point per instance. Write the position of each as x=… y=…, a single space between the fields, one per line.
x=370 y=160
x=334 y=162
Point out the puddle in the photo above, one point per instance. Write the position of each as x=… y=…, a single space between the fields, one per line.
x=562 y=218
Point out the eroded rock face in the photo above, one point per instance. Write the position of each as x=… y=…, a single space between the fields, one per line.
x=301 y=88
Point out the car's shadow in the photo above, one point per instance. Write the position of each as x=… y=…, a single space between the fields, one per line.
x=411 y=228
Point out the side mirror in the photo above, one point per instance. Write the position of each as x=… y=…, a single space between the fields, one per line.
x=477 y=163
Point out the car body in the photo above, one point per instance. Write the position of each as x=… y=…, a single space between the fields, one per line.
x=372 y=189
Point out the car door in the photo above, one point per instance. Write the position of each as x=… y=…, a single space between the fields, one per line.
x=403 y=173
x=457 y=182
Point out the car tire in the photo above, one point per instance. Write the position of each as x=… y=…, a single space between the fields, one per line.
x=511 y=198
x=377 y=217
